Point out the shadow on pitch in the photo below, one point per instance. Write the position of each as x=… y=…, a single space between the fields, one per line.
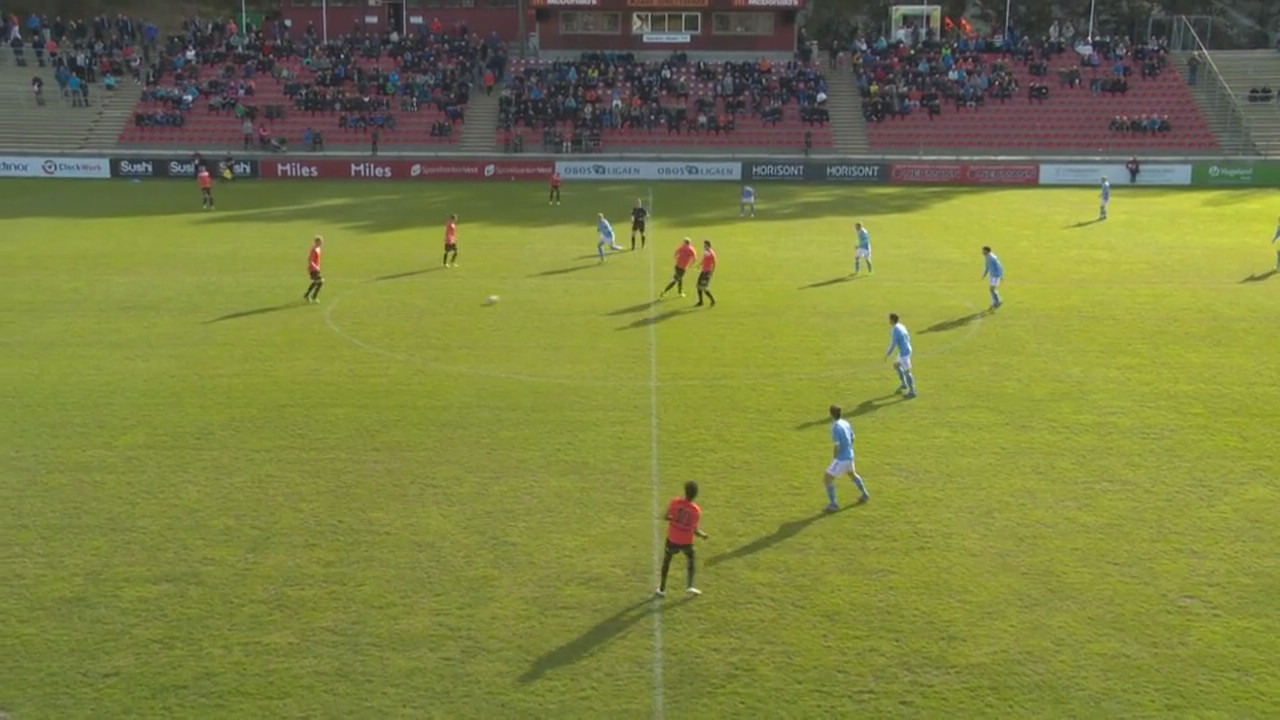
x=832 y=281
x=631 y=309
x=597 y=636
x=645 y=322
x=255 y=311
x=1083 y=223
x=785 y=532
x=866 y=407
x=1259 y=277
x=411 y=273
x=954 y=323
x=564 y=270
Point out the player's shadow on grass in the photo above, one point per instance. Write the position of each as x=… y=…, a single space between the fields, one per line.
x=954 y=323
x=1083 y=223
x=785 y=532
x=1259 y=277
x=564 y=270
x=646 y=321
x=410 y=273
x=828 y=283
x=255 y=311
x=632 y=309
x=864 y=408
x=597 y=636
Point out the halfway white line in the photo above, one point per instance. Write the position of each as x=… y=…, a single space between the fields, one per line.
x=655 y=479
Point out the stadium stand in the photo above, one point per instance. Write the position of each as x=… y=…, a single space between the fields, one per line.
x=60 y=82
x=281 y=93
x=612 y=101
x=969 y=96
x=1253 y=78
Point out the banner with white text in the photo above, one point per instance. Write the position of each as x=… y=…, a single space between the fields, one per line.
x=1092 y=174
x=16 y=166
x=648 y=170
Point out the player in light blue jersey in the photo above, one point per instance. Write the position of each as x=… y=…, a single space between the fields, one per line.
x=994 y=270
x=864 y=250
x=1273 y=242
x=606 y=236
x=1105 y=200
x=900 y=340
x=748 y=201
x=842 y=460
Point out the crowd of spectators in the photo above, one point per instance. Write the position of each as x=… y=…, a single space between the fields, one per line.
x=359 y=79
x=574 y=101
x=79 y=53
x=897 y=78
x=1141 y=124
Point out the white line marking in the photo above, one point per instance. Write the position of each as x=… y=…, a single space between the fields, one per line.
x=656 y=480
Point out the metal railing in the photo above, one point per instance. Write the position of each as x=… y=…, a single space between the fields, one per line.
x=1237 y=135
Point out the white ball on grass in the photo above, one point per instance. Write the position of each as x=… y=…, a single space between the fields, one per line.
x=492 y=299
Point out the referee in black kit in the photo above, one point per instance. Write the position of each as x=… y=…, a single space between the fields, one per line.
x=638 y=215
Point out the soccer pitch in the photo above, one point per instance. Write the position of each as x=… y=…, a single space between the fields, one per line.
x=403 y=502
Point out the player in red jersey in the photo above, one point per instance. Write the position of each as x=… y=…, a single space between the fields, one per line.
x=683 y=516
x=451 y=242
x=313 y=267
x=704 y=277
x=686 y=255
x=205 y=181
x=553 y=198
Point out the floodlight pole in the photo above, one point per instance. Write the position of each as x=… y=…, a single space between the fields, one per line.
x=244 y=18
x=1008 y=6
x=1092 y=6
x=324 y=20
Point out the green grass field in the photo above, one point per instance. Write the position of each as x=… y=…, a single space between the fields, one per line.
x=220 y=502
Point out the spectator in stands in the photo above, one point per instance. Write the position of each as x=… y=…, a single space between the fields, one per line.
x=37 y=89
x=1193 y=67
x=247 y=129
x=109 y=82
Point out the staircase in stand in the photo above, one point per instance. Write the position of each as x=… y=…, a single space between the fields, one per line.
x=844 y=103
x=1243 y=70
x=482 y=123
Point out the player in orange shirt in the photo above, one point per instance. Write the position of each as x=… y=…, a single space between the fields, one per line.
x=206 y=187
x=686 y=255
x=683 y=516
x=313 y=267
x=553 y=198
x=704 y=277
x=451 y=242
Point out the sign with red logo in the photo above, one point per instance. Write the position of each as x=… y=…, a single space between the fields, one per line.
x=301 y=169
x=965 y=173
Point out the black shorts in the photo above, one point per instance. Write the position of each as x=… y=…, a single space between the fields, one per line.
x=451 y=248
x=674 y=549
x=679 y=274
x=704 y=279
x=637 y=226
x=315 y=274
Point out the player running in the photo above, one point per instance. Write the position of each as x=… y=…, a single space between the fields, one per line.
x=553 y=197
x=842 y=460
x=704 y=277
x=748 y=201
x=995 y=270
x=638 y=215
x=205 y=181
x=1106 y=198
x=864 y=250
x=606 y=236
x=683 y=516
x=451 y=242
x=686 y=255
x=900 y=340
x=313 y=268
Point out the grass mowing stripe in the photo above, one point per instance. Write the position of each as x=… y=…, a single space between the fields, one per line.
x=655 y=479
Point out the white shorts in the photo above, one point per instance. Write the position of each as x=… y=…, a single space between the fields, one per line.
x=863 y=253
x=904 y=362
x=995 y=282
x=745 y=203
x=840 y=467
x=606 y=241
